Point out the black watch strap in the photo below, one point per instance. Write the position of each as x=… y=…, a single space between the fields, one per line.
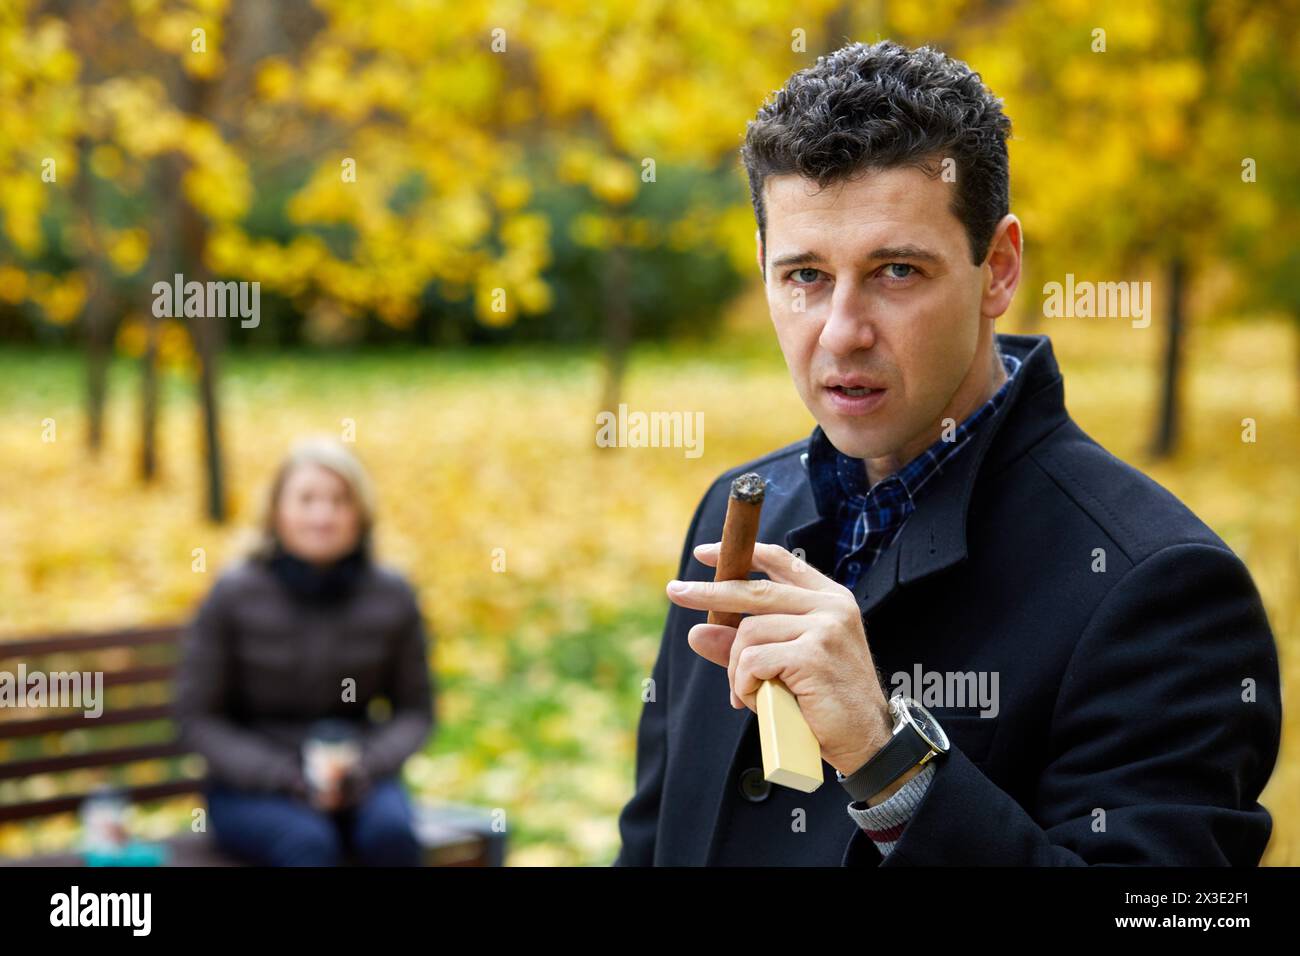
x=905 y=750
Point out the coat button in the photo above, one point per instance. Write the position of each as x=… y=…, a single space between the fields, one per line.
x=753 y=787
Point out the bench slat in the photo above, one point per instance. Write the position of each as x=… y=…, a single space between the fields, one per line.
x=151 y=674
x=134 y=637
x=139 y=675
x=11 y=729
x=71 y=802
x=94 y=758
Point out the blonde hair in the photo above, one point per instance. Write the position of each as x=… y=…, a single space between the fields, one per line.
x=326 y=453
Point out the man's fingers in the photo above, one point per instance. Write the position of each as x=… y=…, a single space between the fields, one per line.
x=712 y=642
x=761 y=662
x=776 y=562
x=744 y=597
x=707 y=554
x=763 y=629
x=787 y=567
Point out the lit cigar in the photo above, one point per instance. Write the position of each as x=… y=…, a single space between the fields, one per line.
x=791 y=755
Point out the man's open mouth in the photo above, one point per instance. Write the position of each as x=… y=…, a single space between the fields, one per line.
x=855 y=399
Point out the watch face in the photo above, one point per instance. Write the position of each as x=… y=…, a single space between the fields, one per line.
x=927 y=726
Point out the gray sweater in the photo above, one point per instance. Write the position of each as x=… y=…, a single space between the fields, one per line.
x=260 y=666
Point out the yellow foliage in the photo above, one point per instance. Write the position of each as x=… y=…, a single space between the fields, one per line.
x=60 y=299
x=13 y=285
x=128 y=249
x=590 y=229
x=512 y=192
x=613 y=182
x=106 y=161
x=24 y=201
x=275 y=80
x=535 y=296
x=494 y=303
x=174 y=345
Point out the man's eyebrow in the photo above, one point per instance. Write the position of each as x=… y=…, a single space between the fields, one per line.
x=905 y=252
x=796 y=259
x=890 y=253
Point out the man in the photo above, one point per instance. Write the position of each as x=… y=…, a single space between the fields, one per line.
x=1097 y=659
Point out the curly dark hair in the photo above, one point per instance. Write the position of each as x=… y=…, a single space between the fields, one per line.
x=882 y=105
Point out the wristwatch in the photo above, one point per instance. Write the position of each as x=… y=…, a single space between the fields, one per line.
x=917 y=738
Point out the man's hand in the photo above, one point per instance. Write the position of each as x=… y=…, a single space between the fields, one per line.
x=805 y=630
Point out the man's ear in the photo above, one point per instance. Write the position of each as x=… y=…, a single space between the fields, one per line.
x=758 y=242
x=1002 y=267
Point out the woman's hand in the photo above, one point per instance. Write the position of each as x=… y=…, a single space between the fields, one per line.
x=328 y=796
x=328 y=799
x=344 y=789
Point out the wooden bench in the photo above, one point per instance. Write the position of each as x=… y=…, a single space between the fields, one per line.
x=50 y=764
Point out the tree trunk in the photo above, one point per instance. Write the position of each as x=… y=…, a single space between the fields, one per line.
x=149 y=402
x=207 y=344
x=95 y=316
x=1169 y=422
x=618 y=326
x=208 y=335
x=207 y=332
x=166 y=182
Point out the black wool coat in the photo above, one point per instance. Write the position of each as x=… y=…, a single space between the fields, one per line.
x=1139 y=708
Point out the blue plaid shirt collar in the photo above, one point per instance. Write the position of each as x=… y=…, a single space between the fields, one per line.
x=866 y=519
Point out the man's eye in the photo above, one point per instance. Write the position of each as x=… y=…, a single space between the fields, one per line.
x=806 y=275
x=899 y=265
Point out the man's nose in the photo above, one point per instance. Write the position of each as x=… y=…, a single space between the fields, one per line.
x=850 y=325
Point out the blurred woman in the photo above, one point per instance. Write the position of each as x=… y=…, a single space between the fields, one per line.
x=286 y=667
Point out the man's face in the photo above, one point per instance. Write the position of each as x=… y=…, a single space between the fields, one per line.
x=890 y=302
